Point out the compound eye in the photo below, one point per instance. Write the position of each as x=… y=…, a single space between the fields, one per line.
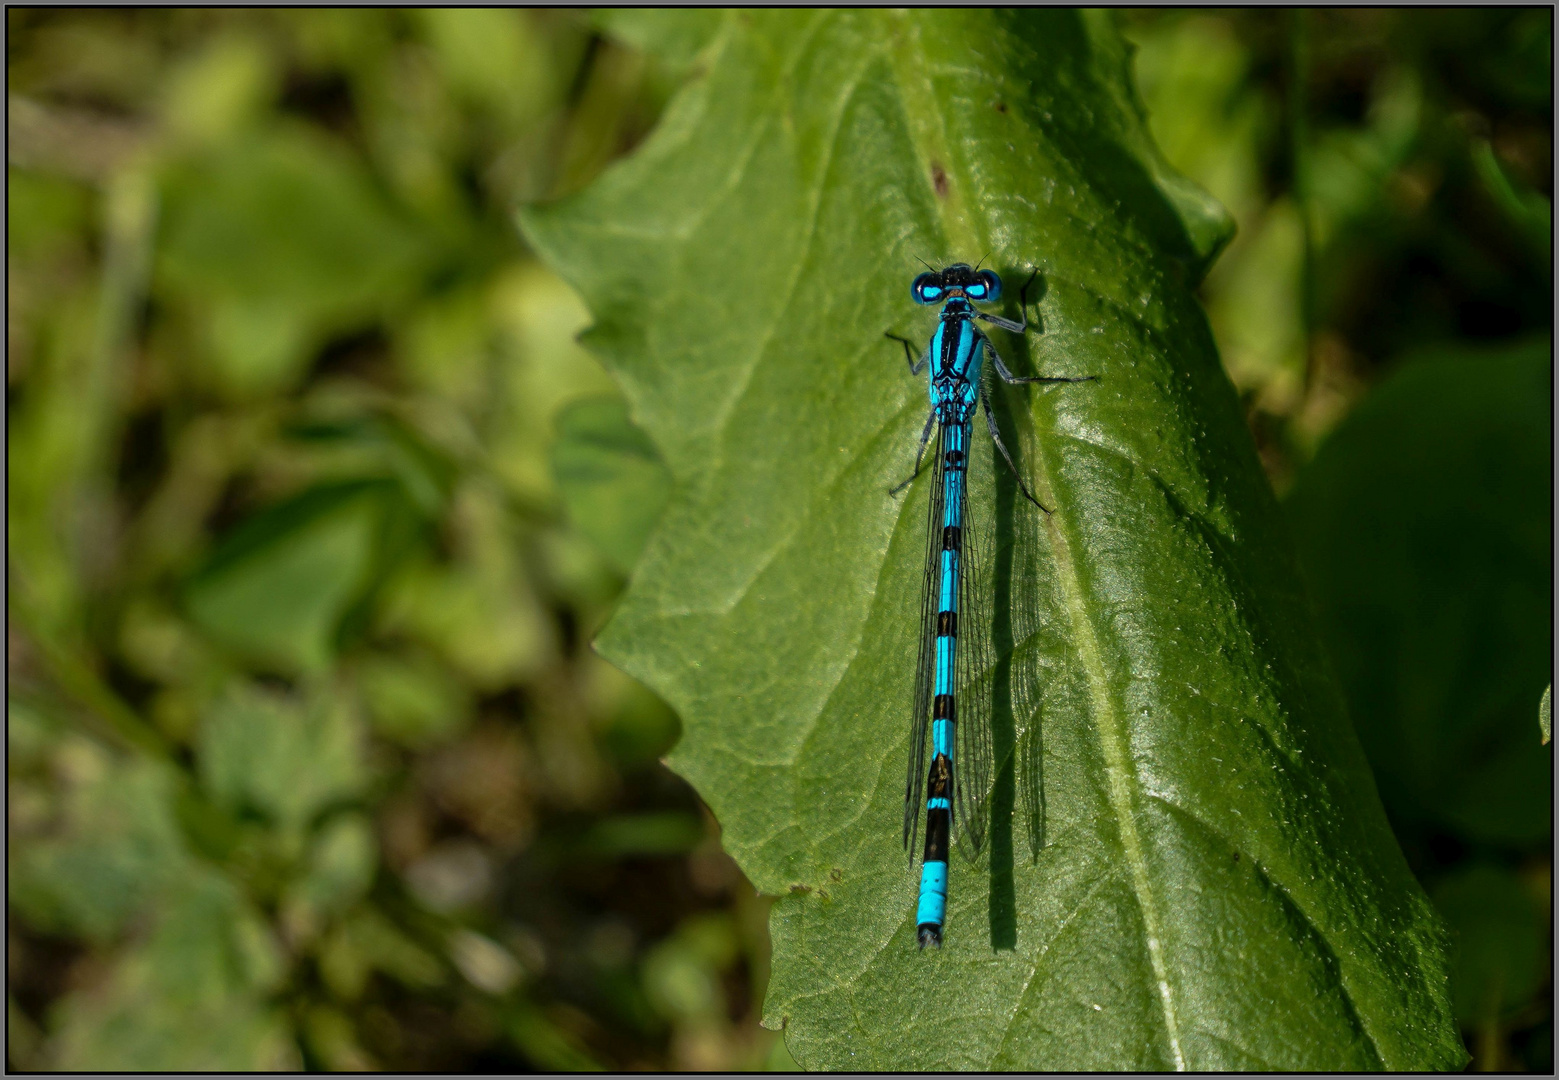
x=926 y=289
x=989 y=284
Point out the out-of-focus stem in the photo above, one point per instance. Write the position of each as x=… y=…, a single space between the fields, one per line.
x=73 y=675
x=1298 y=148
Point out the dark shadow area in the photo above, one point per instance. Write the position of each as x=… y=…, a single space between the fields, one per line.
x=1003 y=901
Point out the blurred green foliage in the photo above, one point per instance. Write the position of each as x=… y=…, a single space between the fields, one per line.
x=314 y=504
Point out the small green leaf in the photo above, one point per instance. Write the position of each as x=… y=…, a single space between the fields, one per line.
x=411 y=699
x=341 y=864
x=1545 y=714
x=274 y=241
x=1425 y=527
x=545 y=369
x=270 y=754
x=480 y=612
x=276 y=589
x=612 y=480
x=1221 y=889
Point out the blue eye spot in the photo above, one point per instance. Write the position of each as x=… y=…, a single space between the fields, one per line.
x=975 y=291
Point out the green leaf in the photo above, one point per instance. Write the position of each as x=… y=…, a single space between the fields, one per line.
x=189 y=999
x=366 y=941
x=270 y=754
x=1424 y=524
x=411 y=699
x=669 y=832
x=273 y=242
x=1220 y=888
x=116 y=849
x=340 y=866
x=1545 y=714
x=1501 y=937
x=275 y=590
x=480 y=612
x=612 y=481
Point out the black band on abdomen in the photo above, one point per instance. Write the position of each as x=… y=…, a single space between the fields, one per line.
x=938 y=823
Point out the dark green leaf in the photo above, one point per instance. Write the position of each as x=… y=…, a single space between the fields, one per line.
x=1425 y=527
x=1220 y=889
x=668 y=833
x=1500 y=937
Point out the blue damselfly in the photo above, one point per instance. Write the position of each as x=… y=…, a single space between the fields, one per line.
x=954 y=679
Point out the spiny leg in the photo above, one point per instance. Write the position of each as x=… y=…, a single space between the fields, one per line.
x=990 y=422
x=920 y=452
x=1019 y=380
x=915 y=367
x=1023 y=309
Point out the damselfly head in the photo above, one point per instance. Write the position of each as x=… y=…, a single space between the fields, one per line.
x=958 y=280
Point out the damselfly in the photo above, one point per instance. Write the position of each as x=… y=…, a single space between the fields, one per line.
x=953 y=680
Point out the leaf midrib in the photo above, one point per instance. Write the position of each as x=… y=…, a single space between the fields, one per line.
x=1109 y=724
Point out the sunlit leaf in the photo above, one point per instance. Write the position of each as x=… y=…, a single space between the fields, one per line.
x=1220 y=889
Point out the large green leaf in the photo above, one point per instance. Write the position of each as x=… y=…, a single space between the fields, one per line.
x=1500 y=934
x=1220 y=888
x=1425 y=526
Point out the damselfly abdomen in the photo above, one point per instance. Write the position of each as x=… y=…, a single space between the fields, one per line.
x=953 y=680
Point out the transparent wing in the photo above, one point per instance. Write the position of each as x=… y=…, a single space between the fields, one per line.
x=977 y=675
x=1018 y=625
x=1008 y=532
x=1024 y=670
x=925 y=670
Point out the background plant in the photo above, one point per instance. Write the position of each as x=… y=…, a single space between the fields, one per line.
x=313 y=505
